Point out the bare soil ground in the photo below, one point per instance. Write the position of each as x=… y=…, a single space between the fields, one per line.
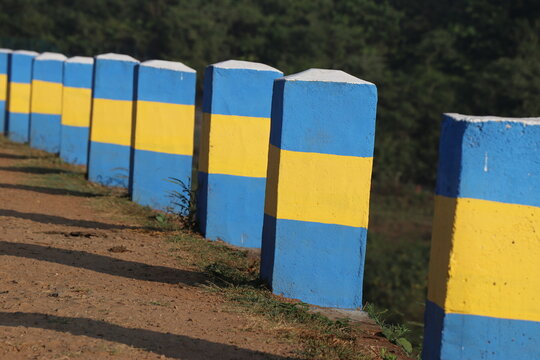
x=78 y=280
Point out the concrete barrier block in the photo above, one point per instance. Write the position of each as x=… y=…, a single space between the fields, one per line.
x=76 y=109
x=484 y=288
x=5 y=59
x=20 y=89
x=234 y=151
x=318 y=186
x=112 y=116
x=164 y=130
x=46 y=102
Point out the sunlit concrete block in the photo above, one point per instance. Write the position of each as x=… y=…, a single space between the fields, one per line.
x=164 y=130
x=20 y=90
x=46 y=102
x=112 y=117
x=76 y=109
x=234 y=151
x=318 y=186
x=5 y=59
x=484 y=283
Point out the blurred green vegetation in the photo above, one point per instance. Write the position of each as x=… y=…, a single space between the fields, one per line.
x=426 y=57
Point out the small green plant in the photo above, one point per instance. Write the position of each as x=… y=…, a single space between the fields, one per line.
x=183 y=203
x=386 y=355
x=395 y=333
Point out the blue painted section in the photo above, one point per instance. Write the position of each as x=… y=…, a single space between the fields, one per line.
x=310 y=115
x=78 y=75
x=114 y=79
x=321 y=264
x=475 y=161
x=151 y=174
x=115 y=170
x=231 y=87
x=21 y=68
x=74 y=144
x=48 y=70
x=472 y=337
x=166 y=86
x=3 y=117
x=45 y=132
x=231 y=208
x=19 y=127
x=4 y=62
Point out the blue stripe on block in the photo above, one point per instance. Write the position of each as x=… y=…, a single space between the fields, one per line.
x=310 y=115
x=45 y=132
x=472 y=337
x=321 y=264
x=78 y=75
x=114 y=79
x=3 y=117
x=151 y=174
x=496 y=161
x=48 y=70
x=109 y=164
x=231 y=208
x=21 y=68
x=4 y=62
x=74 y=144
x=239 y=92
x=18 y=127
x=166 y=86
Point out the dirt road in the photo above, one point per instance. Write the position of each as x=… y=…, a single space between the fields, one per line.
x=76 y=283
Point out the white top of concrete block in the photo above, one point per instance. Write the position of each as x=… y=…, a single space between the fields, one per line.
x=477 y=119
x=81 y=60
x=168 y=65
x=248 y=65
x=326 y=75
x=8 y=51
x=113 y=56
x=26 y=52
x=51 y=56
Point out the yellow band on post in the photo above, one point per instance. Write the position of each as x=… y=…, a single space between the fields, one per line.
x=46 y=97
x=485 y=255
x=111 y=121
x=166 y=128
x=324 y=188
x=76 y=108
x=238 y=145
x=19 y=97
x=3 y=87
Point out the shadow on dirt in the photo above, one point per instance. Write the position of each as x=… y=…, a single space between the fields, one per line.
x=170 y=345
x=15 y=156
x=102 y=264
x=59 y=220
x=47 y=190
x=34 y=170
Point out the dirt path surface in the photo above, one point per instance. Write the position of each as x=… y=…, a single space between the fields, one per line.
x=74 y=283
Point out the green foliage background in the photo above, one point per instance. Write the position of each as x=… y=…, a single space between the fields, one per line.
x=426 y=57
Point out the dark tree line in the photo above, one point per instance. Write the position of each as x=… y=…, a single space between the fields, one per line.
x=427 y=57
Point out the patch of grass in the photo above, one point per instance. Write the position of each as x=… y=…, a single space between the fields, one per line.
x=396 y=333
x=234 y=274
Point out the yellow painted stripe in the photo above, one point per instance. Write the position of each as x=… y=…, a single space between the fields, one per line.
x=493 y=264
x=46 y=97
x=19 y=97
x=77 y=104
x=166 y=128
x=111 y=121
x=3 y=87
x=330 y=189
x=234 y=145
